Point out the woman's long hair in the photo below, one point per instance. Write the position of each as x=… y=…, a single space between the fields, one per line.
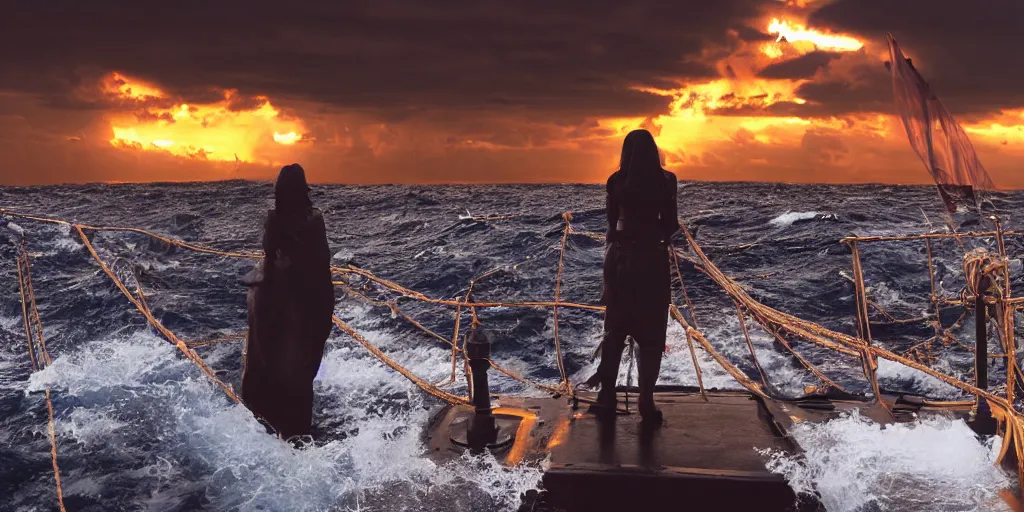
x=640 y=161
x=291 y=193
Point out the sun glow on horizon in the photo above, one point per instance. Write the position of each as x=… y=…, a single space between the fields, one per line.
x=287 y=138
x=215 y=131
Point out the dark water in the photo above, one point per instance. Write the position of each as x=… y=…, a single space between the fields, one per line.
x=140 y=428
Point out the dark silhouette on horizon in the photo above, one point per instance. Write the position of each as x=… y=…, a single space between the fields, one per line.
x=641 y=204
x=290 y=310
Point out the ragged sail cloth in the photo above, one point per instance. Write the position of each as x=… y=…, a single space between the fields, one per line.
x=935 y=135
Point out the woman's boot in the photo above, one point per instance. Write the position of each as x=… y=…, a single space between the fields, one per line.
x=648 y=366
x=607 y=374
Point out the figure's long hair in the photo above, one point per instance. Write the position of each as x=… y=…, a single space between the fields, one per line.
x=291 y=193
x=640 y=161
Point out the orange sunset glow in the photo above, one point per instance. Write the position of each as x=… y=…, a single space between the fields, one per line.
x=211 y=131
x=761 y=90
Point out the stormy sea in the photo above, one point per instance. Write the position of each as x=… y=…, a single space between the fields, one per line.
x=139 y=427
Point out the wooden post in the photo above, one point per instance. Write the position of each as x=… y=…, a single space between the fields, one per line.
x=982 y=422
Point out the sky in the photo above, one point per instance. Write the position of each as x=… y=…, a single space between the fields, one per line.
x=460 y=91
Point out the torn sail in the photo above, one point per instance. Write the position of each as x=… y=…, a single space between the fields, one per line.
x=935 y=135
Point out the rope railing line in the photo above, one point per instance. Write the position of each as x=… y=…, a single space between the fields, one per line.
x=693 y=317
x=567 y=217
x=807 y=364
x=457 y=303
x=185 y=350
x=1008 y=320
x=34 y=310
x=868 y=361
x=890 y=319
x=925 y=236
x=696 y=367
x=750 y=346
x=379 y=354
x=168 y=240
x=863 y=326
x=24 y=312
x=735 y=372
x=51 y=430
x=518 y=377
x=682 y=285
x=775 y=322
x=393 y=306
x=30 y=310
x=455 y=340
x=817 y=333
x=215 y=341
x=931 y=280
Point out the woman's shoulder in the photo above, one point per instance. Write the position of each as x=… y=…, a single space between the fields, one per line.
x=614 y=180
x=671 y=177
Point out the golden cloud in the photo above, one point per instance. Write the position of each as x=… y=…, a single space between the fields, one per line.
x=205 y=131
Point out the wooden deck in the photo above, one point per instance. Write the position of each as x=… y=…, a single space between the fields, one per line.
x=706 y=456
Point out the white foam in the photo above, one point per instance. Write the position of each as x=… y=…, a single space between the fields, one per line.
x=676 y=365
x=788 y=218
x=66 y=244
x=893 y=375
x=131 y=391
x=887 y=297
x=931 y=465
x=343 y=255
x=16 y=228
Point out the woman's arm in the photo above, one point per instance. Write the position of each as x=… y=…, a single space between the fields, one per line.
x=322 y=261
x=270 y=244
x=612 y=207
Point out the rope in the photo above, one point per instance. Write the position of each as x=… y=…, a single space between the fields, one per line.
x=424 y=385
x=1009 y=344
x=775 y=322
x=693 y=317
x=448 y=302
x=736 y=373
x=567 y=217
x=24 y=311
x=682 y=285
x=29 y=310
x=807 y=364
x=188 y=352
x=225 y=339
x=862 y=309
x=524 y=380
x=696 y=366
x=932 y=236
x=53 y=451
x=750 y=346
x=934 y=296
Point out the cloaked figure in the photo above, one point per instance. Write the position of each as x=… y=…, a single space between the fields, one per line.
x=637 y=283
x=291 y=303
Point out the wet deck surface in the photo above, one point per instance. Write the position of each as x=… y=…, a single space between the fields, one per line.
x=704 y=456
x=720 y=435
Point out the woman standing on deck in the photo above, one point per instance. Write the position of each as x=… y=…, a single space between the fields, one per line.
x=641 y=204
x=290 y=310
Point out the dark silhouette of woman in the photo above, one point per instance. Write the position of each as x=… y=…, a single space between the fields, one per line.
x=637 y=286
x=290 y=310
